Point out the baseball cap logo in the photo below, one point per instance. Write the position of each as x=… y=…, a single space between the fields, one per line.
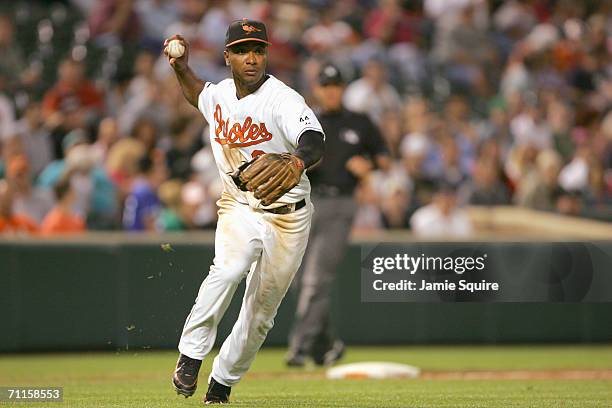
x=245 y=30
x=249 y=29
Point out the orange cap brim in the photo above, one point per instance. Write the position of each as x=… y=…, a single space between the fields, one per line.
x=247 y=39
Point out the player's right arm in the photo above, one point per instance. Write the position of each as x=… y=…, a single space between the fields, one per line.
x=191 y=85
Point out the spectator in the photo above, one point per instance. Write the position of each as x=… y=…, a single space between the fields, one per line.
x=33 y=202
x=467 y=53
x=73 y=102
x=216 y=19
x=7 y=112
x=539 y=188
x=10 y=148
x=514 y=19
x=185 y=142
x=487 y=187
x=368 y=217
x=559 y=117
x=113 y=21
x=442 y=218
x=54 y=170
x=13 y=69
x=519 y=163
x=391 y=23
x=372 y=94
x=156 y=16
x=392 y=132
x=575 y=175
x=122 y=164
x=394 y=188
x=415 y=149
x=63 y=219
x=141 y=94
x=97 y=194
x=171 y=215
x=36 y=138
x=108 y=135
x=11 y=222
x=327 y=34
x=146 y=131
x=497 y=128
x=451 y=167
x=570 y=203
x=199 y=203
x=201 y=52
x=530 y=127
x=142 y=206
x=418 y=117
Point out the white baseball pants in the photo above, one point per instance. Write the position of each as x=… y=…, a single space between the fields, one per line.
x=269 y=248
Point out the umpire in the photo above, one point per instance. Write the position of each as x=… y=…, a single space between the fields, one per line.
x=353 y=145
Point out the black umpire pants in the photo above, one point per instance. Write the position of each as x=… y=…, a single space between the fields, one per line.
x=312 y=333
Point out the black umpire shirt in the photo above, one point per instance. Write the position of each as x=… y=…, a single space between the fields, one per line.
x=347 y=134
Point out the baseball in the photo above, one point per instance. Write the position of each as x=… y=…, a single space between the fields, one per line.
x=176 y=49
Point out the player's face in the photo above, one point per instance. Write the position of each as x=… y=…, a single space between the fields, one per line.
x=248 y=61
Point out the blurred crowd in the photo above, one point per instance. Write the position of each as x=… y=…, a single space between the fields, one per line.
x=481 y=102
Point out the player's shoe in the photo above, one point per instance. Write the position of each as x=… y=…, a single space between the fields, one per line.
x=185 y=377
x=217 y=393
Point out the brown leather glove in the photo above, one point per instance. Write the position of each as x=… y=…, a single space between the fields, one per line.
x=269 y=176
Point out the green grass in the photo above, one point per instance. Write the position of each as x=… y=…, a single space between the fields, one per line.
x=142 y=379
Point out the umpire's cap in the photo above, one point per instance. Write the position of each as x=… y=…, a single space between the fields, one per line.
x=245 y=30
x=330 y=75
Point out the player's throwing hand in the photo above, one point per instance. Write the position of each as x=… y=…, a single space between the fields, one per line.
x=179 y=63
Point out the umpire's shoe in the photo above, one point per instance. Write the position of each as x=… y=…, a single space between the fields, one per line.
x=185 y=377
x=217 y=393
x=331 y=356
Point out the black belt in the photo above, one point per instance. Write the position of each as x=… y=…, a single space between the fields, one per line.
x=288 y=208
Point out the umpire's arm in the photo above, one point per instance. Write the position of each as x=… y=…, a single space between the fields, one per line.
x=191 y=85
x=376 y=146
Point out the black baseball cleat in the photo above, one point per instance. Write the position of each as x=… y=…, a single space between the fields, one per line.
x=185 y=377
x=217 y=393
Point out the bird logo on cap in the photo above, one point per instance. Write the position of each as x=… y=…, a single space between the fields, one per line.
x=249 y=29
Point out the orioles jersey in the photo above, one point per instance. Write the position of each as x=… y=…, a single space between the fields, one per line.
x=270 y=120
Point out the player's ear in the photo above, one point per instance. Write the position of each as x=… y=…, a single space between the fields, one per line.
x=226 y=57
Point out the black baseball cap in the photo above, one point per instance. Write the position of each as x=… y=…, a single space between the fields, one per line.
x=245 y=30
x=330 y=75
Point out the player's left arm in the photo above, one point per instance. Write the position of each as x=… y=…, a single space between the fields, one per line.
x=310 y=149
x=301 y=128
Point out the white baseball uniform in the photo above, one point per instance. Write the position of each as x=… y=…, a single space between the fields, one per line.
x=248 y=239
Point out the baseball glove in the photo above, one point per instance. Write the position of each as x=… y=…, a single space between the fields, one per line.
x=269 y=176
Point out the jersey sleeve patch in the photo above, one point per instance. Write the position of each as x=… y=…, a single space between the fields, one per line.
x=296 y=117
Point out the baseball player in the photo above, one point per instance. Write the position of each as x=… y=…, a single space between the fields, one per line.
x=263 y=137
